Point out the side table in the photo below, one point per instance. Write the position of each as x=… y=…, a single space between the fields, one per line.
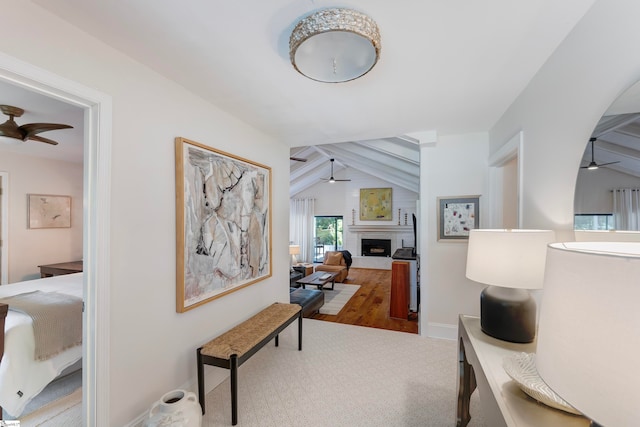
x=503 y=403
x=50 y=270
x=294 y=276
x=305 y=269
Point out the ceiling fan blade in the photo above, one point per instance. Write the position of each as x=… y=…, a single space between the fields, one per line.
x=31 y=129
x=610 y=163
x=41 y=139
x=298 y=159
x=337 y=180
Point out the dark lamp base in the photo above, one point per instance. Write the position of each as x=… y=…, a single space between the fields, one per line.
x=508 y=314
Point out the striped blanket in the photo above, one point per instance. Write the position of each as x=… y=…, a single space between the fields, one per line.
x=57 y=320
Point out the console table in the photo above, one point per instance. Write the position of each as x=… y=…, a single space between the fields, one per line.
x=503 y=403
x=60 y=268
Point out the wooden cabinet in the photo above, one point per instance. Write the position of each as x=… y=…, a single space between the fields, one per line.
x=399 y=301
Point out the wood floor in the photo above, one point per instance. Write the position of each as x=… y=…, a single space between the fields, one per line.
x=370 y=305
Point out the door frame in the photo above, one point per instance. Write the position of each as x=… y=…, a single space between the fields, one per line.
x=513 y=148
x=96 y=227
x=4 y=228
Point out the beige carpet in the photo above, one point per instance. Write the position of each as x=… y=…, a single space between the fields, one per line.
x=335 y=300
x=345 y=376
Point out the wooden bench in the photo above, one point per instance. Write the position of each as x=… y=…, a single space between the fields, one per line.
x=236 y=346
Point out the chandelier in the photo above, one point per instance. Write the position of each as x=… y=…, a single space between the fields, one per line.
x=335 y=45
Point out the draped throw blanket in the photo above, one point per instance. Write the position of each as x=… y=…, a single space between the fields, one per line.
x=57 y=320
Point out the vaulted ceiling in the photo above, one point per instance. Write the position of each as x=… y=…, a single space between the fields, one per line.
x=619 y=146
x=396 y=160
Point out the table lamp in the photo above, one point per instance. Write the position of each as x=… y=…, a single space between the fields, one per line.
x=293 y=251
x=588 y=339
x=511 y=262
x=607 y=236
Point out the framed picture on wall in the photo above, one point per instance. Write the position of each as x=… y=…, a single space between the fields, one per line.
x=375 y=204
x=457 y=216
x=223 y=223
x=48 y=211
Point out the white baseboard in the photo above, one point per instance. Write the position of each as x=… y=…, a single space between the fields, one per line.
x=442 y=331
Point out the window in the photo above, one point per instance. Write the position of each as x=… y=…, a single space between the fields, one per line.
x=328 y=236
x=593 y=222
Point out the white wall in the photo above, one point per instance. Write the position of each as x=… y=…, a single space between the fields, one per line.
x=29 y=248
x=561 y=106
x=152 y=348
x=456 y=165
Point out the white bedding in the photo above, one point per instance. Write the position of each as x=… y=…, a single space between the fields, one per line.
x=22 y=377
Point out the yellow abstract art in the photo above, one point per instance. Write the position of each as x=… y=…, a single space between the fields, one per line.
x=375 y=204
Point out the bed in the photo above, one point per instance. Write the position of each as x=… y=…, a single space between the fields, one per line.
x=22 y=377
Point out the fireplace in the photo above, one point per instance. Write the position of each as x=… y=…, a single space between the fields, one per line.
x=376 y=247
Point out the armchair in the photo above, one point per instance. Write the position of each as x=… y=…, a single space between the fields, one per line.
x=336 y=262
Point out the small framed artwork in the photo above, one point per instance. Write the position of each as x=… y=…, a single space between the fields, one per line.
x=48 y=211
x=223 y=223
x=457 y=216
x=375 y=204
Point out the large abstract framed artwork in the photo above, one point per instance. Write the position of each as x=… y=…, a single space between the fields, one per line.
x=223 y=223
x=375 y=204
x=457 y=216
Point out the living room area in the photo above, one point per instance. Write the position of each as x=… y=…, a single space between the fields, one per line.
x=359 y=226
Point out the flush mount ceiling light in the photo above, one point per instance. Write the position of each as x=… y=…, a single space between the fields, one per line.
x=335 y=45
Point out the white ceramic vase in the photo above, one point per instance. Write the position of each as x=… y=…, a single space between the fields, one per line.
x=177 y=408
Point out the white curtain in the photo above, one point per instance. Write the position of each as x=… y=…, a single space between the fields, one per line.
x=626 y=208
x=301 y=223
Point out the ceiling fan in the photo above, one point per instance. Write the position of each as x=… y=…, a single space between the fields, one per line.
x=298 y=159
x=332 y=179
x=11 y=129
x=593 y=165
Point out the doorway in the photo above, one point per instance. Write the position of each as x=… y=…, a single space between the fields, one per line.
x=328 y=236
x=505 y=184
x=4 y=227
x=96 y=178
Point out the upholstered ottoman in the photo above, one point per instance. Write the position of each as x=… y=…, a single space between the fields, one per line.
x=309 y=299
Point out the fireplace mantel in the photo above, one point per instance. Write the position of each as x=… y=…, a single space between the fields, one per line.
x=380 y=228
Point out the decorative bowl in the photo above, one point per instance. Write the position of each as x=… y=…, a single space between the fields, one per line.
x=521 y=367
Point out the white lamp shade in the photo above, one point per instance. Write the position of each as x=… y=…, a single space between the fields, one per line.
x=607 y=236
x=588 y=336
x=508 y=258
x=294 y=249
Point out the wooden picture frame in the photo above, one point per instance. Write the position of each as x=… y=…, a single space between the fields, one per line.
x=48 y=211
x=376 y=204
x=223 y=223
x=457 y=216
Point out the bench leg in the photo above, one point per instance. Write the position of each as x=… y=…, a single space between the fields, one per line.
x=276 y=340
x=300 y=331
x=234 y=388
x=200 y=378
